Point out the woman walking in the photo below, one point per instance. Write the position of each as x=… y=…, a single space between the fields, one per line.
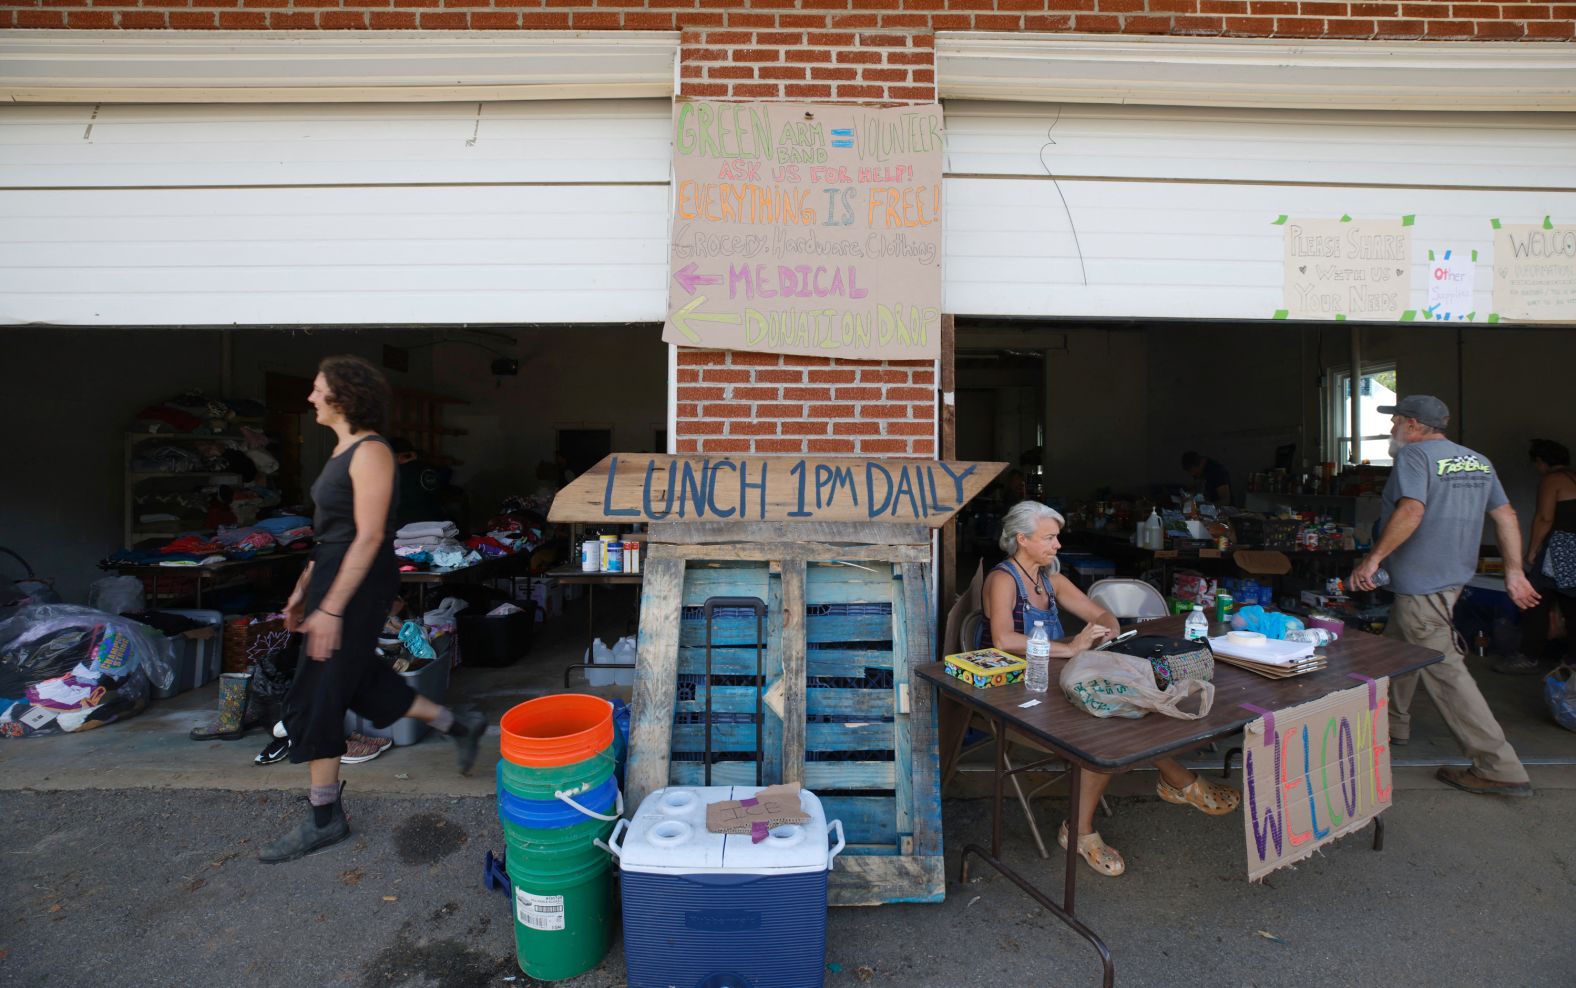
x=341 y=602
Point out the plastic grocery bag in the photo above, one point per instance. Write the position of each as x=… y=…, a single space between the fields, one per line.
x=1559 y=691
x=69 y=668
x=1109 y=684
x=116 y=594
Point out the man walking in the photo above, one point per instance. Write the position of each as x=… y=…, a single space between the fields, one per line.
x=1431 y=520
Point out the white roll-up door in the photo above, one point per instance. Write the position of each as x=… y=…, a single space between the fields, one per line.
x=1061 y=209
x=378 y=213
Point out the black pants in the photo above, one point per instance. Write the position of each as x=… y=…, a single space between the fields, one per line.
x=353 y=678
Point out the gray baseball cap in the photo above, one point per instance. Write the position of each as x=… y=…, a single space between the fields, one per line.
x=1425 y=408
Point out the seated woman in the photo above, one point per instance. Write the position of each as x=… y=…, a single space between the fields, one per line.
x=1028 y=587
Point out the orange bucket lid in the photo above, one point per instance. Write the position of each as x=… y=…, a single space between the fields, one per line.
x=556 y=730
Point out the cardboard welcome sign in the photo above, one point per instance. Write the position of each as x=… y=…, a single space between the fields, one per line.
x=1314 y=773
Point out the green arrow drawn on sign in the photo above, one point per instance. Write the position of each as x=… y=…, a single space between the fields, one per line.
x=681 y=318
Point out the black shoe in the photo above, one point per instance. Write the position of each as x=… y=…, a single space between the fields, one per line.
x=275 y=750
x=308 y=837
x=467 y=743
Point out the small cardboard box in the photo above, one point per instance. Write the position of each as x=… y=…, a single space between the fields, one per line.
x=986 y=667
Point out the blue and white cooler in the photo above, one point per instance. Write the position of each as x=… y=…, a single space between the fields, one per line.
x=705 y=910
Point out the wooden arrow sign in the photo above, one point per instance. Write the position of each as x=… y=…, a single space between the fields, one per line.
x=632 y=488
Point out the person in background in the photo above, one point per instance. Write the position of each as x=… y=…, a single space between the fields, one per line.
x=341 y=602
x=1431 y=521
x=1551 y=556
x=1027 y=587
x=419 y=484
x=1213 y=480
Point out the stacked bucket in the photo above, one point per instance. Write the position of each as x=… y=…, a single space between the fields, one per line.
x=558 y=800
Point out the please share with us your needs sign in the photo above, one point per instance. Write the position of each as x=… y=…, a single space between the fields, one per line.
x=628 y=488
x=1313 y=773
x=806 y=228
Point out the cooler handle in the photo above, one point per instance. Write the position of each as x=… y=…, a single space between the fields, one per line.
x=617 y=812
x=840 y=842
x=612 y=846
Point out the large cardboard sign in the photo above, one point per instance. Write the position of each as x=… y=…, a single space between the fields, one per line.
x=1314 y=773
x=628 y=488
x=1535 y=271
x=806 y=228
x=1347 y=268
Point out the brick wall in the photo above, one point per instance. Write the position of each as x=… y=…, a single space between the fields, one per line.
x=842 y=50
x=735 y=402
x=823 y=49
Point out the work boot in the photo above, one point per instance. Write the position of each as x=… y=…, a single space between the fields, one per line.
x=466 y=733
x=309 y=835
x=234 y=688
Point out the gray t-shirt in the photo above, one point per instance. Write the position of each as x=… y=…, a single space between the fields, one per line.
x=1457 y=487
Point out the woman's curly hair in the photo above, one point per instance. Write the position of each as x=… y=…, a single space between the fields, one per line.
x=359 y=390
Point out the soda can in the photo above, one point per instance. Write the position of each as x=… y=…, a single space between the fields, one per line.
x=1222 y=606
x=590 y=556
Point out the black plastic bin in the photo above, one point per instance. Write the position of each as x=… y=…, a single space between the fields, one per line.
x=496 y=641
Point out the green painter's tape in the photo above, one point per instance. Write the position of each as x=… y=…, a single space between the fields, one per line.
x=1494 y=223
x=1340 y=317
x=1546 y=224
x=1410 y=315
x=1493 y=317
x=1474 y=255
x=1346 y=218
x=1279 y=220
x=1471 y=316
x=1430 y=255
x=1409 y=219
x=1281 y=314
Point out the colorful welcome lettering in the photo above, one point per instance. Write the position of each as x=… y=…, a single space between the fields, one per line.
x=1269 y=827
x=1351 y=737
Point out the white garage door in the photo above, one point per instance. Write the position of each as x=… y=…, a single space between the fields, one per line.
x=334 y=214
x=1151 y=211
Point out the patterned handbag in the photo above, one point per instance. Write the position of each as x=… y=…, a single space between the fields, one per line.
x=1173 y=659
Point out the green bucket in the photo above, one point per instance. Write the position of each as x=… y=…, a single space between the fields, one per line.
x=545 y=783
x=563 y=898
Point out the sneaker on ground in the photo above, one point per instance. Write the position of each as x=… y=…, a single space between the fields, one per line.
x=360 y=748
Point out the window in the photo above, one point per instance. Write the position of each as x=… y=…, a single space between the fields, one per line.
x=1377 y=387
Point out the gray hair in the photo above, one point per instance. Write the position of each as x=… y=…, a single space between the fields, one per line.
x=1022 y=519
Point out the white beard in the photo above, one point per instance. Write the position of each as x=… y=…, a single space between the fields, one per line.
x=1396 y=445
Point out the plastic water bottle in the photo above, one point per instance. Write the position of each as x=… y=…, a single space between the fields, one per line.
x=1381 y=577
x=1197 y=627
x=1037 y=678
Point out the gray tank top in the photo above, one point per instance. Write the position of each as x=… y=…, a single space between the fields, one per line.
x=334 y=520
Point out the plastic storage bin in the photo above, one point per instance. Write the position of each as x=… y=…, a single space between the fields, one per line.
x=195 y=655
x=718 y=909
x=496 y=641
x=431 y=681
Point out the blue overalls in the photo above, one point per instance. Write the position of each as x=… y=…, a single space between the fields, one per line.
x=1025 y=614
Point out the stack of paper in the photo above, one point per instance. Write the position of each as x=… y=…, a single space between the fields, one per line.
x=1268 y=651
x=1270 y=658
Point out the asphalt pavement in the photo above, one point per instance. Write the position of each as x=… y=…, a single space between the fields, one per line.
x=161 y=887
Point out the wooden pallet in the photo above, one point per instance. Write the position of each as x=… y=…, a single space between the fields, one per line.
x=849 y=614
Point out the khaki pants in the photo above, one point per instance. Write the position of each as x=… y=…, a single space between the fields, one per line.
x=1425 y=620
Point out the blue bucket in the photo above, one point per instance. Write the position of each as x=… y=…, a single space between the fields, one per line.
x=551 y=814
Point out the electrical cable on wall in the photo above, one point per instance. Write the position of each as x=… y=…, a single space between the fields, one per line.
x=1050 y=142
